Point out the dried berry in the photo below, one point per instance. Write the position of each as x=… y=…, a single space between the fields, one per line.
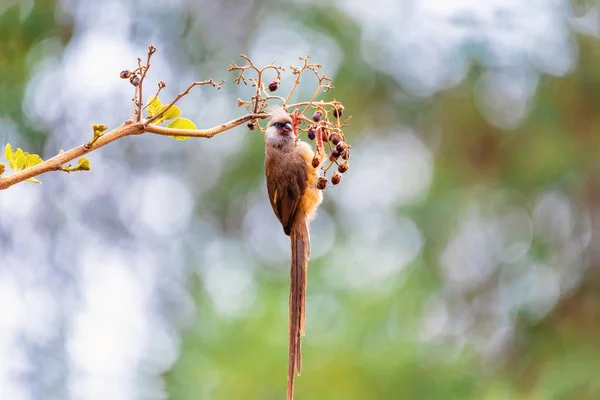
x=325 y=136
x=274 y=85
x=338 y=111
x=317 y=116
x=336 y=178
x=322 y=182
x=312 y=134
x=341 y=146
x=125 y=74
x=135 y=80
x=335 y=138
x=335 y=153
x=346 y=154
x=316 y=162
x=251 y=125
x=343 y=167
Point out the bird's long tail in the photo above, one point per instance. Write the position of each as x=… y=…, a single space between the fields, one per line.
x=300 y=244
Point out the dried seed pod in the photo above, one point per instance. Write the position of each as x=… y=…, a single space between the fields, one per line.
x=343 y=167
x=134 y=80
x=341 y=146
x=336 y=178
x=346 y=154
x=316 y=162
x=322 y=182
x=125 y=74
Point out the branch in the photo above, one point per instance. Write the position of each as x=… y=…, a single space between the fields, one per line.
x=320 y=127
x=127 y=129
x=203 y=133
x=57 y=161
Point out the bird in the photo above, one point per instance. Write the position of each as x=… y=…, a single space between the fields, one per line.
x=294 y=196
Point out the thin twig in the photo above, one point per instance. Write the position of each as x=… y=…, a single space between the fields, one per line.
x=185 y=92
x=151 y=50
x=161 y=86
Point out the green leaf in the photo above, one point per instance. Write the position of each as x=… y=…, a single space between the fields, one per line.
x=154 y=106
x=182 y=123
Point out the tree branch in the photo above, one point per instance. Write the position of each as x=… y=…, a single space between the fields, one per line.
x=127 y=129
x=203 y=133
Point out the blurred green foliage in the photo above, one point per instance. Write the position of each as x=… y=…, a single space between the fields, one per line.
x=370 y=346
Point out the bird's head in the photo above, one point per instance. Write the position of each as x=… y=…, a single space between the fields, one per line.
x=280 y=127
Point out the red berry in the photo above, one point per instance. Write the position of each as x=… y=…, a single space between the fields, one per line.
x=317 y=116
x=274 y=85
x=312 y=134
x=336 y=178
x=315 y=162
x=343 y=167
x=322 y=182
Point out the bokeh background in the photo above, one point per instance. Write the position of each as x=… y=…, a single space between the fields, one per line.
x=458 y=259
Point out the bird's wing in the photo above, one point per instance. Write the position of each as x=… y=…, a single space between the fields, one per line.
x=286 y=190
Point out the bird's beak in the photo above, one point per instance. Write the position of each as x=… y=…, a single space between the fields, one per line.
x=287 y=127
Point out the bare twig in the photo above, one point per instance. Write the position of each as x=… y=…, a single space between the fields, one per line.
x=258 y=99
x=151 y=50
x=185 y=92
x=161 y=86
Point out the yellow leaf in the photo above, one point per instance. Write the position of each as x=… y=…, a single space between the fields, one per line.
x=154 y=106
x=84 y=164
x=182 y=123
x=2 y=168
x=19 y=160
x=173 y=112
x=8 y=154
x=32 y=159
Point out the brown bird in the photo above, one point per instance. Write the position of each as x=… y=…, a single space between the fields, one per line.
x=294 y=196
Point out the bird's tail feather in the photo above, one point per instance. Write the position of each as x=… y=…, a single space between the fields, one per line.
x=300 y=244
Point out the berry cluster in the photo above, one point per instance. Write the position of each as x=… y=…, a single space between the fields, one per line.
x=134 y=77
x=330 y=140
x=324 y=127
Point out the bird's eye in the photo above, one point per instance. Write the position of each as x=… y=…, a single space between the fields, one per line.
x=278 y=125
